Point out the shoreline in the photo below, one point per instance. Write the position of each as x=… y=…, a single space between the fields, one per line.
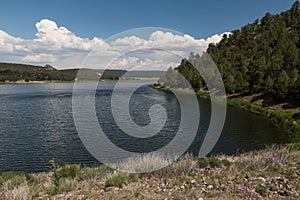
x=271 y=173
x=282 y=118
x=20 y=82
x=33 y=82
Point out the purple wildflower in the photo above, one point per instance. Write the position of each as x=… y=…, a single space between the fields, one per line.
x=243 y=189
x=247 y=193
x=272 y=159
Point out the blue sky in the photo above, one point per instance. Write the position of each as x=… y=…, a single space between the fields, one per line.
x=62 y=33
x=100 y=18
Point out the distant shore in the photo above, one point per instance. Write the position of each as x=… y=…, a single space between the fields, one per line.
x=34 y=82
x=60 y=81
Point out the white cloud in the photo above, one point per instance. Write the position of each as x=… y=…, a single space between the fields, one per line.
x=61 y=48
x=38 y=58
x=214 y=39
x=55 y=37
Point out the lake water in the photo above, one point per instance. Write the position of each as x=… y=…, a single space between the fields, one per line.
x=36 y=125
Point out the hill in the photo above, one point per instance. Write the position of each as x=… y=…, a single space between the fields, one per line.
x=11 y=72
x=260 y=58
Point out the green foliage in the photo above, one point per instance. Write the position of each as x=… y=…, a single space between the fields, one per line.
x=15 y=178
x=87 y=173
x=55 y=177
x=261 y=57
x=261 y=190
x=203 y=162
x=4 y=176
x=15 y=72
x=68 y=171
x=283 y=119
x=295 y=146
x=226 y=163
x=212 y=162
x=215 y=162
x=118 y=180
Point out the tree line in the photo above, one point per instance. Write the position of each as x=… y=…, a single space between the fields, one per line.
x=261 y=57
x=11 y=72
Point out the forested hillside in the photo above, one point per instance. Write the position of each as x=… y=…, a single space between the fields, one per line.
x=11 y=72
x=261 y=57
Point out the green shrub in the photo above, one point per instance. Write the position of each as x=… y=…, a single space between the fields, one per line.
x=203 y=162
x=87 y=173
x=66 y=185
x=273 y=168
x=215 y=162
x=61 y=176
x=212 y=162
x=226 y=163
x=295 y=146
x=16 y=177
x=68 y=171
x=117 y=180
x=261 y=190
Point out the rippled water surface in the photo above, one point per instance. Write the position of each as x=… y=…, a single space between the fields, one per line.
x=36 y=125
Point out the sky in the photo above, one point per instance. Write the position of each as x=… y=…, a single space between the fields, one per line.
x=63 y=33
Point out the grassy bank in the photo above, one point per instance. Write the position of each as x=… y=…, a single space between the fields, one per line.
x=285 y=119
x=272 y=173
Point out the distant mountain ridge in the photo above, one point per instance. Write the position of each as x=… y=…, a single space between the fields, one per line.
x=12 y=72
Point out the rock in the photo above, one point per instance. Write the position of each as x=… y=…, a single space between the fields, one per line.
x=289 y=187
x=193 y=181
x=57 y=197
x=210 y=187
x=280 y=179
x=68 y=196
x=284 y=193
x=272 y=187
x=262 y=179
x=112 y=189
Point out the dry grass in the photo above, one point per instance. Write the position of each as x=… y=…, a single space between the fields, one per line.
x=144 y=163
x=184 y=165
x=20 y=192
x=248 y=175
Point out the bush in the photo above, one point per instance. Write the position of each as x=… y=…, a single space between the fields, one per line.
x=60 y=175
x=212 y=162
x=203 y=162
x=226 y=163
x=16 y=177
x=118 y=180
x=261 y=190
x=215 y=162
x=90 y=173
x=68 y=171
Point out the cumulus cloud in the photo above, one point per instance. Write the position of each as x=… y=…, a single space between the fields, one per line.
x=38 y=58
x=55 y=37
x=58 y=46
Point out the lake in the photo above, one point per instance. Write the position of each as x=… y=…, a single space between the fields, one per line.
x=36 y=125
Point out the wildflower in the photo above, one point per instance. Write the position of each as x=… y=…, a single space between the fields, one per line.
x=2 y=193
x=247 y=193
x=272 y=159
